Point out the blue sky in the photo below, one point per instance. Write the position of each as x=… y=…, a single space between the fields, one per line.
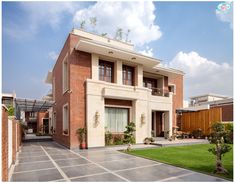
x=190 y=36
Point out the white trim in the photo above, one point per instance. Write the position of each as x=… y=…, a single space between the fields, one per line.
x=174 y=85
x=65 y=105
x=65 y=61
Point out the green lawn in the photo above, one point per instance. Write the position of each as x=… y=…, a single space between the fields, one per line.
x=194 y=157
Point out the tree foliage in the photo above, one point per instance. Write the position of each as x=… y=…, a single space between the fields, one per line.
x=217 y=137
x=11 y=111
x=129 y=135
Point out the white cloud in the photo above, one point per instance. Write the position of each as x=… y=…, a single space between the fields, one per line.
x=53 y=55
x=226 y=16
x=138 y=16
x=37 y=14
x=148 y=51
x=203 y=75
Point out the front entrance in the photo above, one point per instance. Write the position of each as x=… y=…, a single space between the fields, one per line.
x=46 y=125
x=158 y=123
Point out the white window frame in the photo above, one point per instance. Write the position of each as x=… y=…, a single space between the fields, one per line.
x=54 y=122
x=53 y=88
x=65 y=72
x=63 y=112
x=121 y=107
x=174 y=87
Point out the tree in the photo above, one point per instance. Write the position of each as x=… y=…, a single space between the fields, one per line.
x=11 y=111
x=118 y=34
x=129 y=135
x=217 y=137
x=104 y=34
x=93 y=21
x=82 y=24
x=127 y=34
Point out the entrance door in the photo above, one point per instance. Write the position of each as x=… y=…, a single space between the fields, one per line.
x=46 y=125
x=158 y=123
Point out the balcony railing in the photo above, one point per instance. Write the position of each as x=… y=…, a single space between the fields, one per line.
x=160 y=92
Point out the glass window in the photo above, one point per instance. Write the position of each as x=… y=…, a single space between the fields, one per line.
x=65 y=119
x=105 y=71
x=116 y=119
x=128 y=75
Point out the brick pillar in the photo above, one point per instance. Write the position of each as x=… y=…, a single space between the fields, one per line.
x=4 y=144
x=13 y=141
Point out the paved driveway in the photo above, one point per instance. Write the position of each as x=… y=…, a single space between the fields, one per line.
x=47 y=161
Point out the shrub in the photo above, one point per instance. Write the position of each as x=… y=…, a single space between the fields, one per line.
x=217 y=138
x=197 y=133
x=118 y=139
x=129 y=135
x=148 y=140
x=11 y=111
x=229 y=128
x=108 y=138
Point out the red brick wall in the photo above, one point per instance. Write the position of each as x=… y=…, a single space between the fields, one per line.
x=4 y=145
x=178 y=97
x=40 y=117
x=79 y=70
x=60 y=98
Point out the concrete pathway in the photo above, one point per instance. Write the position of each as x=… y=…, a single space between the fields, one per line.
x=47 y=161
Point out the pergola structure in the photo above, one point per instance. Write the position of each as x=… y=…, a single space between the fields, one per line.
x=31 y=105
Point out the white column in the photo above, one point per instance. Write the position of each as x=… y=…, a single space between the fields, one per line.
x=139 y=75
x=95 y=66
x=118 y=72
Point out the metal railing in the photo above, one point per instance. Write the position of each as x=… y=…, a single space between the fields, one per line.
x=160 y=92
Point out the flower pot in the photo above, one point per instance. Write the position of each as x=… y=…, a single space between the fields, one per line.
x=83 y=146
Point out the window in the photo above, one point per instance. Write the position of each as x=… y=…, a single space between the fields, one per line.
x=53 y=88
x=128 y=75
x=106 y=71
x=65 y=119
x=116 y=119
x=65 y=74
x=149 y=83
x=54 y=122
x=172 y=88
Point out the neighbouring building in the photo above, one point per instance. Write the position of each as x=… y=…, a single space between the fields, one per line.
x=102 y=84
x=209 y=101
x=8 y=99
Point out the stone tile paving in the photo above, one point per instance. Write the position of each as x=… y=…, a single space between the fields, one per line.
x=48 y=161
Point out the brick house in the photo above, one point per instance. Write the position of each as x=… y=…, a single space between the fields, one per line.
x=102 y=84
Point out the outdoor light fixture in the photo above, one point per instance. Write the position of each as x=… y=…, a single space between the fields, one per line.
x=97 y=118
x=143 y=118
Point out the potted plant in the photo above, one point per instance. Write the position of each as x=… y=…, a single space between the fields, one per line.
x=148 y=140
x=66 y=131
x=82 y=137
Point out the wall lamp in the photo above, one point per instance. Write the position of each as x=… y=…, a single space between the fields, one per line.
x=97 y=118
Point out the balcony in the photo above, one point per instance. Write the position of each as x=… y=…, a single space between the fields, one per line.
x=160 y=92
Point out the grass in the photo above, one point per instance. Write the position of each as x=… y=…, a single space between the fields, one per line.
x=193 y=157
